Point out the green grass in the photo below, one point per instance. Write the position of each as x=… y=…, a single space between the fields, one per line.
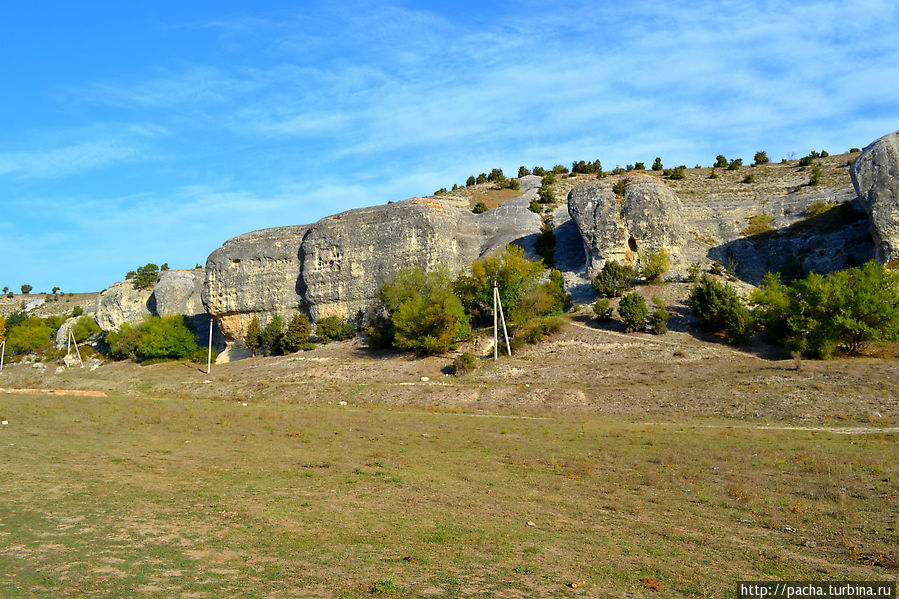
x=121 y=497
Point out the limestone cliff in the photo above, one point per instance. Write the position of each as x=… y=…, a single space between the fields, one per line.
x=875 y=176
x=647 y=216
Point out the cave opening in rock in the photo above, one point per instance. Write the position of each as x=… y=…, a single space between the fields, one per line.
x=632 y=244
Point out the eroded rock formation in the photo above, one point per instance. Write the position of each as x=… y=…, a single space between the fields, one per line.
x=648 y=216
x=334 y=266
x=875 y=176
x=176 y=292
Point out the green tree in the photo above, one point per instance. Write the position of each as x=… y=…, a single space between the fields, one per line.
x=761 y=158
x=523 y=172
x=145 y=277
x=253 y=337
x=297 y=335
x=632 y=309
x=817 y=314
x=657 y=165
x=424 y=313
x=640 y=166
x=272 y=334
x=5 y=290
x=614 y=279
x=654 y=265
x=482 y=178
x=719 y=309
x=517 y=279
x=26 y=289
x=602 y=309
x=331 y=328
x=539 y=171
x=735 y=164
x=167 y=337
x=720 y=161
x=84 y=327
x=479 y=208
x=470 y=181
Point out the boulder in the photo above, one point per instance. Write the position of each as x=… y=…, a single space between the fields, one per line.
x=648 y=217
x=176 y=292
x=335 y=266
x=875 y=176
x=122 y=303
x=254 y=274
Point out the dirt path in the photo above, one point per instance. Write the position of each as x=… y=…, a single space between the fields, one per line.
x=75 y=392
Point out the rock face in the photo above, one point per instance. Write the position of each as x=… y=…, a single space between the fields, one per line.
x=875 y=176
x=122 y=303
x=177 y=292
x=255 y=274
x=649 y=216
x=334 y=266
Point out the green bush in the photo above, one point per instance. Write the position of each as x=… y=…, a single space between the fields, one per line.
x=748 y=179
x=676 y=173
x=545 y=195
x=614 y=279
x=602 y=309
x=535 y=331
x=253 y=337
x=719 y=309
x=539 y=171
x=658 y=321
x=535 y=206
x=640 y=166
x=818 y=314
x=654 y=265
x=425 y=315
x=272 y=335
x=145 y=277
x=155 y=338
x=470 y=181
x=77 y=311
x=693 y=272
x=84 y=327
x=29 y=335
x=620 y=187
x=818 y=208
x=166 y=338
x=297 y=335
x=758 y=224
x=479 y=208
x=523 y=172
x=815 y=178
x=720 y=161
x=632 y=309
x=657 y=165
x=713 y=175
x=735 y=164
x=334 y=328
x=464 y=362
x=761 y=158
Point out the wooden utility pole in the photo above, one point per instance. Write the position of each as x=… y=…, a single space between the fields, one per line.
x=497 y=302
x=209 y=355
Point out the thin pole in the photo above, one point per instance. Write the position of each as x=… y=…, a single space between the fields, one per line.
x=72 y=337
x=503 y=319
x=209 y=355
x=2 y=353
x=495 y=331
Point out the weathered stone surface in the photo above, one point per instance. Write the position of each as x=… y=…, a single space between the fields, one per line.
x=176 y=292
x=648 y=217
x=346 y=257
x=62 y=335
x=875 y=176
x=122 y=303
x=334 y=266
x=254 y=274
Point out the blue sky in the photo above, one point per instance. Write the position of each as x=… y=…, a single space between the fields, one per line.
x=143 y=131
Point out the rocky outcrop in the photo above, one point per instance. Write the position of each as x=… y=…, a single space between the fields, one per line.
x=255 y=274
x=875 y=176
x=176 y=292
x=122 y=303
x=335 y=266
x=648 y=216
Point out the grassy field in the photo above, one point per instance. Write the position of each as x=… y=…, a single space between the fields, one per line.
x=134 y=496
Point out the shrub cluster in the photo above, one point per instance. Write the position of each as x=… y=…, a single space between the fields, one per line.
x=334 y=328
x=654 y=265
x=589 y=168
x=632 y=309
x=155 y=338
x=819 y=314
x=614 y=279
x=720 y=309
x=145 y=276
